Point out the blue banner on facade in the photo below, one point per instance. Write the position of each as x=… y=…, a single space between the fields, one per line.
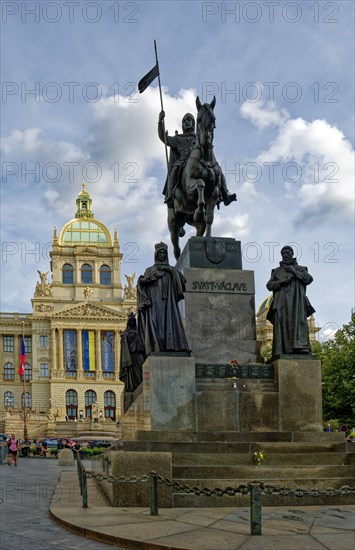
x=86 y=358
x=108 y=351
x=69 y=343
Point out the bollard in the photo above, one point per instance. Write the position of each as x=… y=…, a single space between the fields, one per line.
x=4 y=453
x=255 y=510
x=153 y=493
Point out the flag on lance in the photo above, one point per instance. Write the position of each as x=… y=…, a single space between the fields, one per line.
x=148 y=79
x=22 y=357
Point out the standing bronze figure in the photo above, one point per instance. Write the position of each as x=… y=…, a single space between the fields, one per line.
x=289 y=307
x=159 y=291
x=132 y=356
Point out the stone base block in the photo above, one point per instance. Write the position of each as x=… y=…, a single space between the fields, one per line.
x=169 y=392
x=300 y=394
x=211 y=252
x=236 y=406
x=66 y=457
x=137 y=464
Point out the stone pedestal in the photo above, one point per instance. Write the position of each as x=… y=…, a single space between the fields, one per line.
x=219 y=306
x=220 y=315
x=300 y=394
x=169 y=392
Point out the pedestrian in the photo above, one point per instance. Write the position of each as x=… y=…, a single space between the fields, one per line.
x=38 y=447
x=44 y=449
x=25 y=450
x=13 y=445
x=76 y=448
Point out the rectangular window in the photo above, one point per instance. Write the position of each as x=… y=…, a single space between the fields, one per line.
x=44 y=370
x=8 y=343
x=28 y=344
x=43 y=341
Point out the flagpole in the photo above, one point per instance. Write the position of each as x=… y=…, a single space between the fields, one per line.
x=25 y=434
x=161 y=103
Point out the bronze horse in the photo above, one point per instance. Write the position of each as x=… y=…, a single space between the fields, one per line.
x=198 y=190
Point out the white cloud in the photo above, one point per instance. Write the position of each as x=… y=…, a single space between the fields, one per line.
x=263 y=114
x=316 y=161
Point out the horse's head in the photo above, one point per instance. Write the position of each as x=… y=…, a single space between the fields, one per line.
x=206 y=122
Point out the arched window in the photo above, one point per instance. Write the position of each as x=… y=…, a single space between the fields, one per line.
x=110 y=405
x=28 y=371
x=71 y=403
x=28 y=400
x=9 y=400
x=90 y=398
x=9 y=371
x=105 y=275
x=86 y=274
x=67 y=274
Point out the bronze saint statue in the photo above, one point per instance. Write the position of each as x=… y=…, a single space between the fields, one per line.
x=132 y=356
x=158 y=292
x=289 y=306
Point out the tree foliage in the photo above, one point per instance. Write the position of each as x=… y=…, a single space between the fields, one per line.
x=338 y=374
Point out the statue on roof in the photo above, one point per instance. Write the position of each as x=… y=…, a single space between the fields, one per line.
x=43 y=288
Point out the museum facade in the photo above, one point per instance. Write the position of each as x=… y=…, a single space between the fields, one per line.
x=72 y=336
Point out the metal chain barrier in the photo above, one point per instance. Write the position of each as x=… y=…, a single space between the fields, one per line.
x=254 y=488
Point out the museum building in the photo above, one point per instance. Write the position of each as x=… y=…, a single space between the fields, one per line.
x=72 y=336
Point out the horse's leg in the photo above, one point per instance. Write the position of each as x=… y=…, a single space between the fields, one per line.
x=200 y=228
x=199 y=215
x=174 y=231
x=210 y=206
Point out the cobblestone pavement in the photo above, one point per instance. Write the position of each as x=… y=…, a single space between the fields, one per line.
x=26 y=493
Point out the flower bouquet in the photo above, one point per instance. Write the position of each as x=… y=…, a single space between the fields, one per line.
x=258 y=457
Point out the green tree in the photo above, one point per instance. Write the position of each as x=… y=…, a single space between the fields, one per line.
x=338 y=374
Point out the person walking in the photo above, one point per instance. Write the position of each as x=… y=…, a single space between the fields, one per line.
x=13 y=445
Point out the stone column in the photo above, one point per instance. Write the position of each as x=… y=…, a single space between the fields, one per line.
x=98 y=355
x=117 y=353
x=53 y=350
x=16 y=351
x=60 y=365
x=98 y=351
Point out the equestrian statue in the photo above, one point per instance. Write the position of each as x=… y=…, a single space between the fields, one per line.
x=195 y=183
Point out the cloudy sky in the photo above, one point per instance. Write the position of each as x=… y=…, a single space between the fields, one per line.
x=282 y=74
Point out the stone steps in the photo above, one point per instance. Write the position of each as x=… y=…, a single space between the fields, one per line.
x=262 y=472
x=239 y=437
x=232 y=447
x=278 y=459
x=221 y=459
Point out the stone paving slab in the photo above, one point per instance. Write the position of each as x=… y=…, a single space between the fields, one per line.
x=224 y=528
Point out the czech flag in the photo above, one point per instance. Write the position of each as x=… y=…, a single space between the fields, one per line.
x=22 y=357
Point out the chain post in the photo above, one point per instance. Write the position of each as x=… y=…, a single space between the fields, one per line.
x=153 y=494
x=255 y=510
x=79 y=469
x=84 y=493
